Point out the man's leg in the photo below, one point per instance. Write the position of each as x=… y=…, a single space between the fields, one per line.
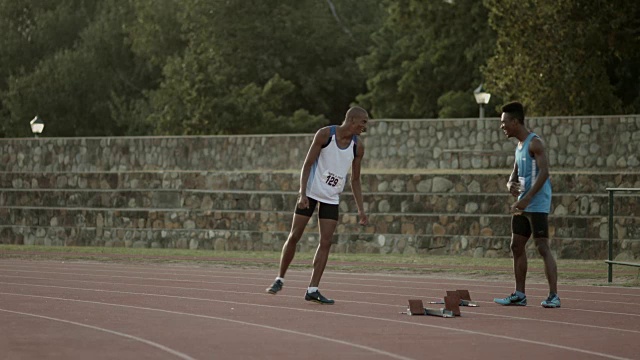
x=518 y=297
x=518 y=249
x=300 y=219
x=327 y=222
x=551 y=271
x=541 y=236
x=289 y=248
x=327 y=228
x=540 y=225
x=550 y=267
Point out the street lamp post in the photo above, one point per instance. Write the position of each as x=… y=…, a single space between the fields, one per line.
x=37 y=125
x=482 y=99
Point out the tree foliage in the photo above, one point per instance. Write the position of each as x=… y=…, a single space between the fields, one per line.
x=142 y=67
x=186 y=67
x=424 y=50
x=31 y=32
x=284 y=58
x=73 y=88
x=566 y=57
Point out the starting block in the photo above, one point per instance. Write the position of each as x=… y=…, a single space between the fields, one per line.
x=463 y=295
x=451 y=309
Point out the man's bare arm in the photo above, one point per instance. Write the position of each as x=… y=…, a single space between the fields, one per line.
x=536 y=147
x=321 y=137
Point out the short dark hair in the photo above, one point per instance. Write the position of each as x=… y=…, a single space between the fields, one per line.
x=515 y=110
x=355 y=111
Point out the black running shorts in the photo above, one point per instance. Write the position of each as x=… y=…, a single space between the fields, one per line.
x=325 y=211
x=531 y=223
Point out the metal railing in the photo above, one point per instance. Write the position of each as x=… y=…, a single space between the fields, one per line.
x=610 y=261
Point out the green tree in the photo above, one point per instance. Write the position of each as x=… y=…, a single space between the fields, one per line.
x=558 y=57
x=251 y=61
x=87 y=89
x=154 y=36
x=187 y=67
x=424 y=50
x=623 y=65
x=31 y=31
x=156 y=32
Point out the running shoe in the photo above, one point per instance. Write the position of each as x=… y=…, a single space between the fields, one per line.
x=553 y=301
x=317 y=297
x=275 y=287
x=512 y=299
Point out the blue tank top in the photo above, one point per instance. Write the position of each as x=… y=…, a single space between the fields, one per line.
x=528 y=172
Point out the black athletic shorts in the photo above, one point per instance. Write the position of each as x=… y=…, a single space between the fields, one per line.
x=531 y=222
x=326 y=211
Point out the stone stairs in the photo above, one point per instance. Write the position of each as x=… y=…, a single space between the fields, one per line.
x=431 y=186
x=379 y=202
x=425 y=212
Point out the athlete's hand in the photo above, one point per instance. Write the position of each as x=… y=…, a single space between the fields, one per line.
x=514 y=188
x=519 y=206
x=364 y=220
x=303 y=201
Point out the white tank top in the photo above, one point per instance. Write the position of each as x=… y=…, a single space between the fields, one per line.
x=329 y=173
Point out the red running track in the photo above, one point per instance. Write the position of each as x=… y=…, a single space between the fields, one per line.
x=81 y=310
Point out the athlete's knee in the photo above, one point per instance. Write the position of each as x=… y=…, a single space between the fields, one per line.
x=293 y=238
x=543 y=247
x=325 y=242
x=517 y=250
x=296 y=233
x=517 y=247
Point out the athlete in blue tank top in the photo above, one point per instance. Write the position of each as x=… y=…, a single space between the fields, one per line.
x=531 y=185
x=528 y=173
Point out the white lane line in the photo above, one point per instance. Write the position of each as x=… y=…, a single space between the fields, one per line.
x=113 y=332
x=337 y=275
x=504 y=337
x=471 y=310
x=363 y=347
x=341 y=283
x=336 y=290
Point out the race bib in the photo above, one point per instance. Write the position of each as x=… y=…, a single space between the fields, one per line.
x=333 y=180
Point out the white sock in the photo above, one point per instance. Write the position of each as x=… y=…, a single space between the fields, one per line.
x=279 y=278
x=311 y=289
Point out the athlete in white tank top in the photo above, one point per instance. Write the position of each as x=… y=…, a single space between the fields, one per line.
x=335 y=150
x=329 y=172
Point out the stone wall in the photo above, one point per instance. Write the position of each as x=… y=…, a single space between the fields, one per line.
x=431 y=186
x=582 y=142
x=611 y=143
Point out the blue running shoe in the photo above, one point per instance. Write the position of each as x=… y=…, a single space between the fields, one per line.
x=512 y=299
x=553 y=301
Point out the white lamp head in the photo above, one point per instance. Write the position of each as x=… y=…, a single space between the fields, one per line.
x=482 y=97
x=37 y=125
